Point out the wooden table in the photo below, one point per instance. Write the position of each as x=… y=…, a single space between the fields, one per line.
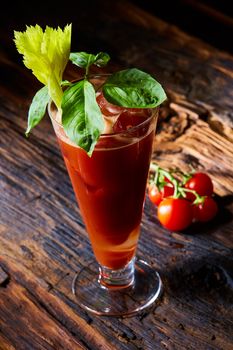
x=42 y=237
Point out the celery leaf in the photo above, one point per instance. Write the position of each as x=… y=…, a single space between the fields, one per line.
x=46 y=54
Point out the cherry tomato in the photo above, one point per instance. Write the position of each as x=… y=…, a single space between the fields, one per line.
x=201 y=183
x=205 y=211
x=167 y=191
x=175 y=213
x=154 y=194
x=157 y=196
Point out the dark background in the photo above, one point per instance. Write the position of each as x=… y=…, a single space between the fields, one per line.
x=210 y=20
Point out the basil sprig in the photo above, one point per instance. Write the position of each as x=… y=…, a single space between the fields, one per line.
x=133 y=88
x=37 y=108
x=85 y=60
x=81 y=116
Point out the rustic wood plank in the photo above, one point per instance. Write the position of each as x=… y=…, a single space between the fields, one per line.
x=5 y=344
x=42 y=331
x=52 y=319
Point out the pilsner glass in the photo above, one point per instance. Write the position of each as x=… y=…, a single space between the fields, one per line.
x=110 y=190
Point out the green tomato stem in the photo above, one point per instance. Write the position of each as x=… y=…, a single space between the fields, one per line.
x=179 y=190
x=168 y=175
x=172 y=180
x=199 y=199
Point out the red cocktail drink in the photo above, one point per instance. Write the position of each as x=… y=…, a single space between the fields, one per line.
x=110 y=185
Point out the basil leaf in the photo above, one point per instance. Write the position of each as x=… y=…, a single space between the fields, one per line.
x=81 y=116
x=82 y=59
x=85 y=60
x=133 y=88
x=101 y=59
x=37 y=108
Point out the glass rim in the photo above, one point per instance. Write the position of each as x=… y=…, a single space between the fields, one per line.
x=122 y=132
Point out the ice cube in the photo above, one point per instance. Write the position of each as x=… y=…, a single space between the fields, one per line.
x=107 y=108
x=131 y=118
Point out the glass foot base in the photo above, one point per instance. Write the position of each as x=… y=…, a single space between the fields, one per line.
x=100 y=300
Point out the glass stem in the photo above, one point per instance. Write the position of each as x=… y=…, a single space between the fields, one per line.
x=117 y=279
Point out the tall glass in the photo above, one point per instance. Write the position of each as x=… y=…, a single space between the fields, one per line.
x=110 y=190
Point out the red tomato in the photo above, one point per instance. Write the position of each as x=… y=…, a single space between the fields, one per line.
x=205 y=211
x=201 y=183
x=157 y=196
x=175 y=213
x=154 y=194
x=167 y=191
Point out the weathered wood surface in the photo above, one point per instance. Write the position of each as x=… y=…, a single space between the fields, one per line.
x=42 y=238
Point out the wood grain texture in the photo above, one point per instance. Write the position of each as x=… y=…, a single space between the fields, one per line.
x=43 y=241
